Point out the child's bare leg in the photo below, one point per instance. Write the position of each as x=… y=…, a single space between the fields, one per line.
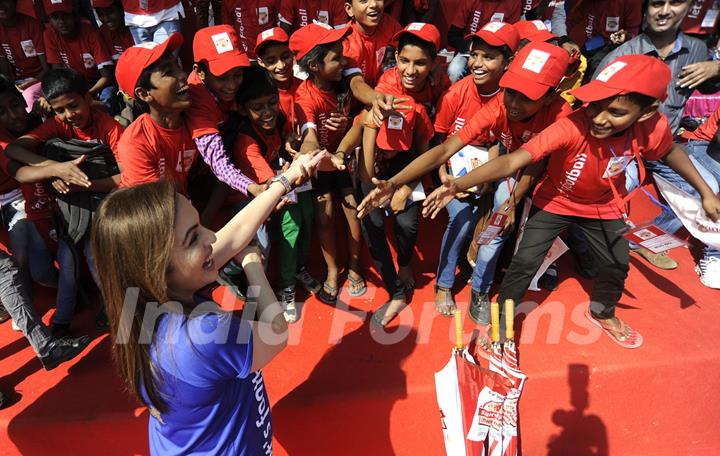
x=324 y=220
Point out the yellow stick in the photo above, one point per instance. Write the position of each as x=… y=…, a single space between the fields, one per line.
x=458 y=330
x=509 y=319
x=495 y=321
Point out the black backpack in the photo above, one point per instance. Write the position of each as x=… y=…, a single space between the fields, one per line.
x=77 y=209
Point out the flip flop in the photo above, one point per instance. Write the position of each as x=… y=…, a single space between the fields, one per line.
x=359 y=284
x=447 y=303
x=327 y=294
x=629 y=338
x=378 y=315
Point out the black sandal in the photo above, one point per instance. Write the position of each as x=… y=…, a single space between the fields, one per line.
x=327 y=294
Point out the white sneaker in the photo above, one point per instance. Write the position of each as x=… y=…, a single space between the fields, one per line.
x=709 y=271
x=287 y=300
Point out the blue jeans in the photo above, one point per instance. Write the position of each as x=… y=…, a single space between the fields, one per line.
x=462 y=216
x=667 y=220
x=157 y=33
x=707 y=154
x=458 y=67
x=30 y=253
x=110 y=98
x=68 y=280
x=484 y=272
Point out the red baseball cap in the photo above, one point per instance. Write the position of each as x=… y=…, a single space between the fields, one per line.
x=533 y=31
x=102 y=3
x=218 y=48
x=536 y=68
x=396 y=131
x=642 y=74
x=311 y=35
x=498 y=34
x=58 y=6
x=273 y=35
x=135 y=59
x=426 y=32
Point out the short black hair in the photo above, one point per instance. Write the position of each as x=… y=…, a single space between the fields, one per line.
x=316 y=54
x=143 y=82
x=504 y=49
x=8 y=87
x=257 y=82
x=63 y=81
x=412 y=40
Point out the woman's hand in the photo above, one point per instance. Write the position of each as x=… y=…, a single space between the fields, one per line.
x=379 y=196
x=248 y=255
x=440 y=197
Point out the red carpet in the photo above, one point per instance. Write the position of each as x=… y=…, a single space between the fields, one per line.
x=341 y=389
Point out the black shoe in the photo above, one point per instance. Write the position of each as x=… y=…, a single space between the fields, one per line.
x=585 y=265
x=549 y=281
x=235 y=281
x=64 y=350
x=101 y=321
x=479 y=310
x=60 y=330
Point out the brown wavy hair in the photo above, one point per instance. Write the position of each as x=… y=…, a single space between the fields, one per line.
x=132 y=240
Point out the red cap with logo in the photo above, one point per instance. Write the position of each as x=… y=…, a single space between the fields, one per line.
x=642 y=74
x=218 y=48
x=57 y=6
x=273 y=35
x=316 y=33
x=426 y=32
x=536 y=68
x=533 y=31
x=396 y=132
x=498 y=34
x=135 y=59
x=102 y=3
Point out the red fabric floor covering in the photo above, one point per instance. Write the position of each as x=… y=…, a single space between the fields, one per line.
x=341 y=389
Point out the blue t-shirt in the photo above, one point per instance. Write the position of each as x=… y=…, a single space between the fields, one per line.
x=216 y=404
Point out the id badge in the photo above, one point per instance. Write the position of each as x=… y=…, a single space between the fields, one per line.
x=616 y=165
x=263 y=15
x=653 y=238
x=494 y=228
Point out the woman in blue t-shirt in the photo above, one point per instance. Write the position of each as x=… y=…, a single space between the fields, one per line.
x=197 y=368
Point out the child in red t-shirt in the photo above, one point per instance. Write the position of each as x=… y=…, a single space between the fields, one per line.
x=75 y=118
x=23 y=57
x=158 y=144
x=401 y=138
x=249 y=19
x=299 y=13
x=113 y=30
x=74 y=43
x=585 y=180
x=324 y=110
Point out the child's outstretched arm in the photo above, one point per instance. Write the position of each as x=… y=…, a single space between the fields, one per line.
x=678 y=160
x=503 y=166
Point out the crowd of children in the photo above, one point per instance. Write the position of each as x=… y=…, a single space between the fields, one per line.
x=572 y=104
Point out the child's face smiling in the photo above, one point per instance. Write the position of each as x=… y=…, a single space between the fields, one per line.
x=333 y=64
x=367 y=13
x=263 y=112
x=13 y=116
x=486 y=64
x=171 y=90
x=278 y=59
x=612 y=116
x=519 y=107
x=226 y=85
x=73 y=109
x=413 y=66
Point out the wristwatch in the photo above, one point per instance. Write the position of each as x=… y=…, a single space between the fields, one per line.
x=283 y=180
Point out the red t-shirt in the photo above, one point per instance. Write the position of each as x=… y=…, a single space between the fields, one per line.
x=116 y=41
x=390 y=82
x=299 y=13
x=588 y=18
x=288 y=106
x=21 y=46
x=148 y=152
x=473 y=14
x=250 y=159
x=147 y=7
x=314 y=106
x=38 y=200
x=104 y=129
x=364 y=53
x=206 y=113
x=250 y=19
x=458 y=105
x=706 y=131
x=576 y=182
x=86 y=53
x=492 y=122
x=695 y=22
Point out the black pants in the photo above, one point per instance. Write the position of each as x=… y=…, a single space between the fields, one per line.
x=609 y=248
x=373 y=228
